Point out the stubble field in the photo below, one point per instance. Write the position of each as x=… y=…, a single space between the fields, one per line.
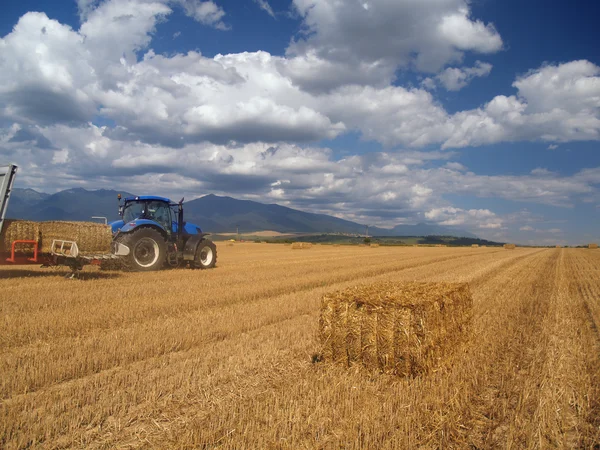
x=223 y=358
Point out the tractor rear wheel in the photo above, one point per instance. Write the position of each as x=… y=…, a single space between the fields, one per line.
x=206 y=255
x=147 y=250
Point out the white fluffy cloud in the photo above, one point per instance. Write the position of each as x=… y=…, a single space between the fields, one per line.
x=424 y=33
x=476 y=218
x=456 y=78
x=205 y=12
x=258 y=97
x=382 y=188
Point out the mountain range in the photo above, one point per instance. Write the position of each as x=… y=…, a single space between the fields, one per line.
x=212 y=213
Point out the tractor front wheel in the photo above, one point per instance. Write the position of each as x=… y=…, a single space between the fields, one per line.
x=206 y=255
x=147 y=250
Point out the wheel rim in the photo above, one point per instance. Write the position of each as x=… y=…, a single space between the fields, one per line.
x=146 y=252
x=206 y=256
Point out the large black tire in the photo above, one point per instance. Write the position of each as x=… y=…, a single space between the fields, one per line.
x=111 y=264
x=206 y=255
x=147 y=250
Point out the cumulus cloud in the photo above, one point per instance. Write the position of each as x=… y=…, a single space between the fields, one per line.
x=427 y=34
x=554 y=103
x=205 y=12
x=251 y=97
x=382 y=188
x=477 y=218
x=454 y=79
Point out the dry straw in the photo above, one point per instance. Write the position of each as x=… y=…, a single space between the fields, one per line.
x=90 y=237
x=510 y=246
x=397 y=328
x=301 y=245
x=374 y=245
x=15 y=230
x=593 y=246
x=475 y=245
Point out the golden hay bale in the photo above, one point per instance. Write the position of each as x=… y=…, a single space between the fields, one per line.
x=398 y=328
x=558 y=246
x=90 y=237
x=593 y=246
x=510 y=246
x=474 y=245
x=374 y=245
x=336 y=245
x=17 y=230
x=301 y=245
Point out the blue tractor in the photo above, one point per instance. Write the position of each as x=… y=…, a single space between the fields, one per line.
x=152 y=234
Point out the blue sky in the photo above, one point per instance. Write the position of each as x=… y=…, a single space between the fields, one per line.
x=482 y=115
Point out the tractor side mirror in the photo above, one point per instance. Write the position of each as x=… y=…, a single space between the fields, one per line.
x=120 y=206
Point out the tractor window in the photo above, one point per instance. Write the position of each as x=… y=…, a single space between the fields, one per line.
x=133 y=210
x=159 y=212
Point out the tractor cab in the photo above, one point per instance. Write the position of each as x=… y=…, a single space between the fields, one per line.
x=157 y=209
x=152 y=232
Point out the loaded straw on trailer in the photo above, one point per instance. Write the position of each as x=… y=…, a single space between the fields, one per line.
x=50 y=243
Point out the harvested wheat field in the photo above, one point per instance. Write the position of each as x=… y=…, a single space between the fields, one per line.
x=229 y=357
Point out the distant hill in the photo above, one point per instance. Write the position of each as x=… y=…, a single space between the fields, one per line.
x=211 y=212
x=71 y=204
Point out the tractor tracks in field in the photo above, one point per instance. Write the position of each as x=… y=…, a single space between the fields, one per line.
x=586 y=289
x=519 y=305
x=76 y=358
x=589 y=290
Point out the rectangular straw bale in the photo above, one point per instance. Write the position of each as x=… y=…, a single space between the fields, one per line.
x=510 y=246
x=301 y=245
x=374 y=245
x=16 y=230
x=475 y=245
x=90 y=237
x=593 y=246
x=398 y=328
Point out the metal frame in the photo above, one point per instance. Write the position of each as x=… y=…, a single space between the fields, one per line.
x=7 y=178
x=35 y=244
